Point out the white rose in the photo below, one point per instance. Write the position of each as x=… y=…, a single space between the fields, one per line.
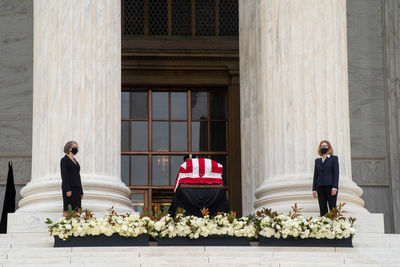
x=331 y=235
x=108 y=232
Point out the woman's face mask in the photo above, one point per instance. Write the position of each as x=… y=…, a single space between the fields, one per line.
x=74 y=150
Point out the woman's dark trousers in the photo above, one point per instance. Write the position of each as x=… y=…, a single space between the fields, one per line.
x=326 y=199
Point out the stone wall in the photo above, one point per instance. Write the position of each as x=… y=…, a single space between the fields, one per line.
x=368 y=123
x=391 y=37
x=16 y=81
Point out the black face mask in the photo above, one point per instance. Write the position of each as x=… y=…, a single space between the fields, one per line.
x=324 y=150
x=74 y=150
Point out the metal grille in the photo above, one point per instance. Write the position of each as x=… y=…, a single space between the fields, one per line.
x=228 y=18
x=182 y=17
x=205 y=17
x=133 y=20
x=175 y=18
x=158 y=17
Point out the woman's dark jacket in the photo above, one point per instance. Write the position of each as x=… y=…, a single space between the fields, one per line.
x=70 y=174
x=327 y=173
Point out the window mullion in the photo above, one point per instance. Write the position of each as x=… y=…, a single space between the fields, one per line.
x=189 y=117
x=150 y=137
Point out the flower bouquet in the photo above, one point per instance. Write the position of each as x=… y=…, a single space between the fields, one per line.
x=223 y=229
x=81 y=228
x=293 y=229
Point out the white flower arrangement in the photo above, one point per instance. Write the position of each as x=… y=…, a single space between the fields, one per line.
x=83 y=223
x=195 y=227
x=284 y=226
x=266 y=223
x=331 y=226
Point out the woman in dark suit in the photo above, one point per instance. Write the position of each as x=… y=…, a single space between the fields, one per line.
x=326 y=177
x=71 y=179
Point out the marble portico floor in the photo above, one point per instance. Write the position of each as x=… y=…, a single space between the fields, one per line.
x=37 y=250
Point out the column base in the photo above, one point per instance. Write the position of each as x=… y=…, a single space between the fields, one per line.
x=100 y=194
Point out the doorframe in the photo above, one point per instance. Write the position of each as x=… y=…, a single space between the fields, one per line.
x=180 y=68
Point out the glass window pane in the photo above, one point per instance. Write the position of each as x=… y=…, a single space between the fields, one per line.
x=124 y=135
x=218 y=105
x=139 y=135
x=199 y=105
x=137 y=202
x=176 y=162
x=125 y=105
x=160 y=170
x=221 y=159
x=139 y=165
x=200 y=136
x=160 y=136
x=218 y=136
x=160 y=105
x=179 y=106
x=161 y=199
x=178 y=136
x=139 y=105
x=125 y=169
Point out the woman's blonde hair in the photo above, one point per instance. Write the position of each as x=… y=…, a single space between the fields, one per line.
x=68 y=145
x=330 y=149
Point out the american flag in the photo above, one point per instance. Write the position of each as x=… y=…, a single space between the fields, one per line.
x=199 y=171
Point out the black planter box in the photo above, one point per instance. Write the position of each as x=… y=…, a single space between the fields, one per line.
x=102 y=241
x=213 y=240
x=307 y=242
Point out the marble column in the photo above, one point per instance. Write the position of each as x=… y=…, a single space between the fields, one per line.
x=76 y=96
x=294 y=93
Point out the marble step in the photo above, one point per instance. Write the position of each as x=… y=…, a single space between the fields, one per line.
x=281 y=260
x=200 y=261
x=46 y=240
x=36 y=250
x=208 y=251
x=189 y=255
x=134 y=264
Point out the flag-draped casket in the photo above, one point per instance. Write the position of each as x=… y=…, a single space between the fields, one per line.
x=192 y=200
x=199 y=171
